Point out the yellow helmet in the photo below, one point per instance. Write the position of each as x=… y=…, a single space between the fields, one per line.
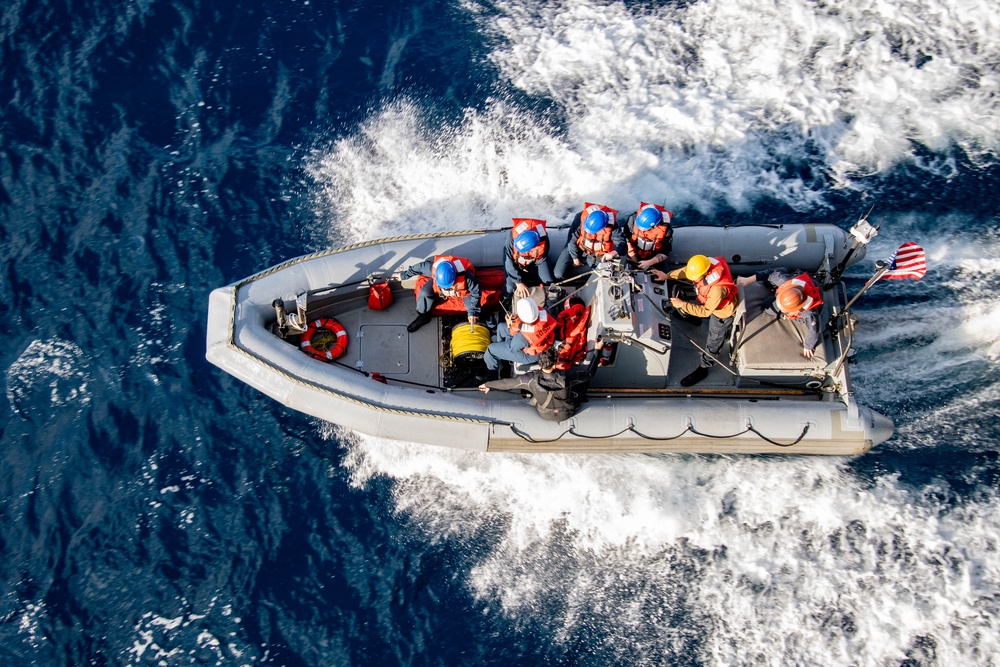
x=697 y=267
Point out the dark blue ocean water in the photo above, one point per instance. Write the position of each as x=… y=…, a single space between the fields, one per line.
x=155 y=511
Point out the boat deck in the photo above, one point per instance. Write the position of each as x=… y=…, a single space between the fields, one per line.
x=664 y=348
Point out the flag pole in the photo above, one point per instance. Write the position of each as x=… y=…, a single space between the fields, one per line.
x=881 y=266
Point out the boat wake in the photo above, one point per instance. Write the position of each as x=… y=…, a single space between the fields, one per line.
x=650 y=559
x=678 y=102
x=678 y=559
x=929 y=351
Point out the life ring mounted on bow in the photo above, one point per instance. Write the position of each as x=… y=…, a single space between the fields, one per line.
x=325 y=339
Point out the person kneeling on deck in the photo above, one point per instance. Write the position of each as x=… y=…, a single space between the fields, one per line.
x=551 y=390
x=796 y=297
x=648 y=235
x=594 y=237
x=449 y=277
x=717 y=299
x=522 y=337
x=526 y=258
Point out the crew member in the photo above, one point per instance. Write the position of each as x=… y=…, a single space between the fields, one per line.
x=526 y=258
x=717 y=298
x=594 y=236
x=450 y=276
x=648 y=235
x=522 y=337
x=796 y=297
x=551 y=390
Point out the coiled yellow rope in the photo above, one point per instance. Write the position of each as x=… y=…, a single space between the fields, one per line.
x=469 y=339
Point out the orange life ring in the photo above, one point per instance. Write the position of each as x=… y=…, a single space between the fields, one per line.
x=325 y=339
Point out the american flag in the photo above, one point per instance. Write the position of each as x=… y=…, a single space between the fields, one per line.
x=906 y=262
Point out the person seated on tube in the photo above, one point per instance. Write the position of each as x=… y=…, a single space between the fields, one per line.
x=717 y=298
x=526 y=258
x=649 y=236
x=551 y=391
x=594 y=236
x=796 y=297
x=523 y=336
x=450 y=276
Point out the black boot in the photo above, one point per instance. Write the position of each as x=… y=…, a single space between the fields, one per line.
x=694 y=377
x=422 y=319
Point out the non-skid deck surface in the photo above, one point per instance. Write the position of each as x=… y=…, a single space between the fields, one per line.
x=686 y=357
x=378 y=342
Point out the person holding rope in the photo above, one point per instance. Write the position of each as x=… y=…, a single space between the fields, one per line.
x=717 y=298
x=551 y=391
x=797 y=298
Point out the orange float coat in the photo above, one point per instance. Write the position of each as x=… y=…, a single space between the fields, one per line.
x=540 y=334
x=522 y=225
x=814 y=299
x=647 y=243
x=601 y=243
x=462 y=265
x=717 y=276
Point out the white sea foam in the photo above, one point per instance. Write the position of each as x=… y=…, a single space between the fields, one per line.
x=48 y=374
x=758 y=560
x=163 y=640
x=716 y=102
x=854 y=82
x=402 y=173
x=731 y=560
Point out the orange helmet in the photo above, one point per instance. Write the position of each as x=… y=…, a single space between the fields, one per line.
x=791 y=299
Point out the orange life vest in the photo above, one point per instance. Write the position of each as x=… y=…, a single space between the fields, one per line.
x=600 y=243
x=718 y=276
x=814 y=299
x=648 y=243
x=573 y=322
x=522 y=225
x=541 y=333
x=462 y=265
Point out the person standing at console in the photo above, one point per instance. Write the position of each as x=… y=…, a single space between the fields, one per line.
x=717 y=298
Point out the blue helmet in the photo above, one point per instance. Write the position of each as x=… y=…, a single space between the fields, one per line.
x=648 y=218
x=527 y=241
x=444 y=274
x=596 y=221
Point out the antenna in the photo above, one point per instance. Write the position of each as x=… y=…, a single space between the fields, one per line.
x=862 y=233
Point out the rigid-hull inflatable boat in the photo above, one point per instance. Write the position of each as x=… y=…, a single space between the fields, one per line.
x=763 y=396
